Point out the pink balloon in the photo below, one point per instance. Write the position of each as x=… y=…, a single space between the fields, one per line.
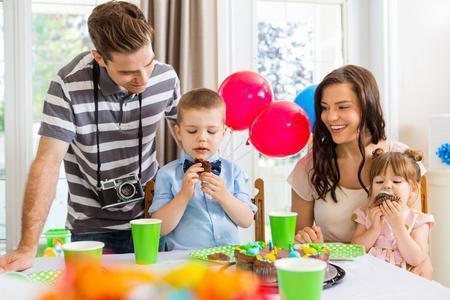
x=246 y=94
x=281 y=130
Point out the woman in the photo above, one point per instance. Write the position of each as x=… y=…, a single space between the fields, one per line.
x=332 y=181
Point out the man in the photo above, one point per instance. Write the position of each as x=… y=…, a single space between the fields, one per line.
x=100 y=116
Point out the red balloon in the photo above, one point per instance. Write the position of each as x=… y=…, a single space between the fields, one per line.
x=246 y=94
x=281 y=130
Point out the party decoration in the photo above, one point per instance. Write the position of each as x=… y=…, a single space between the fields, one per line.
x=246 y=94
x=306 y=101
x=281 y=130
x=444 y=153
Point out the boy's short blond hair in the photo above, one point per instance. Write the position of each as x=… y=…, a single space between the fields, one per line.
x=200 y=99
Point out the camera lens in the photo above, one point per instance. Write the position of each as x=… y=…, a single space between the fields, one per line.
x=126 y=190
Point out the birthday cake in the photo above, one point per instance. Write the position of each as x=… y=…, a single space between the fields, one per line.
x=259 y=257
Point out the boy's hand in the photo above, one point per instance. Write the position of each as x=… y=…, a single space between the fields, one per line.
x=190 y=178
x=393 y=213
x=214 y=186
x=376 y=218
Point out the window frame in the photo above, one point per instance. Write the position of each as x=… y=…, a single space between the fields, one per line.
x=18 y=115
x=19 y=152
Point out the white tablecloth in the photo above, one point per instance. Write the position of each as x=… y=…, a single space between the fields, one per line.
x=366 y=278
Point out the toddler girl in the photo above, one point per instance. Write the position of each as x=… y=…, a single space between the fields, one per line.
x=390 y=228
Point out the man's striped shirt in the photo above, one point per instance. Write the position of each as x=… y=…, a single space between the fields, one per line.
x=69 y=115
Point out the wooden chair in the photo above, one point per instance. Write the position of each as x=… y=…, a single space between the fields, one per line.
x=423 y=194
x=149 y=187
x=258 y=200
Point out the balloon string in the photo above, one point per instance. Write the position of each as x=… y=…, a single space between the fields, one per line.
x=229 y=149
x=228 y=141
x=244 y=155
x=239 y=146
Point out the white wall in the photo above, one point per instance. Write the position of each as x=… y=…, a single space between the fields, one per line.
x=423 y=66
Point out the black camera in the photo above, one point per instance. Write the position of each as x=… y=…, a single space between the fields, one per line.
x=120 y=191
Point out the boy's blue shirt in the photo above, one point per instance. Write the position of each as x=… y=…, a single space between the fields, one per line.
x=204 y=223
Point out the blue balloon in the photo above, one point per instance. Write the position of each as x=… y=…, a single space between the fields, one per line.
x=306 y=101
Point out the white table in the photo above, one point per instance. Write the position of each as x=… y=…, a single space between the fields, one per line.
x=366 y=278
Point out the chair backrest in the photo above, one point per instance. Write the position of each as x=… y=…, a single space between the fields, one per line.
x=423 y=194
x=258 y=200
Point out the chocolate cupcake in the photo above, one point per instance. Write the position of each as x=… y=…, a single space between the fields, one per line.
x=383 y=196
x=246 y=255
x=265 y=270
x=264 y=265
x=244 y=261
x=206 y=165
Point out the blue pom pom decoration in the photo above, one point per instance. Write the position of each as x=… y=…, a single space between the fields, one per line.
x=444 y=153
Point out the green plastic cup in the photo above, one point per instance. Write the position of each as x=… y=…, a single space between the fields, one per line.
x=83 y=251
x=145 y=234
x=282 y=227
x=300 y=278
x=57 y=235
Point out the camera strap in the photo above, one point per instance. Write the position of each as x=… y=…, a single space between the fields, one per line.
x=95 y=79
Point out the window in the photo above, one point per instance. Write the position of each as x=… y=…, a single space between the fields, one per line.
x=297 y=43
x=58 y=34
x=55 y=24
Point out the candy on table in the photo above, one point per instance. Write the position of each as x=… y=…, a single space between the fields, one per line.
x=270 y=256
x=251 y=248
x=253 y=251
x=293 y=253
x=313 y=249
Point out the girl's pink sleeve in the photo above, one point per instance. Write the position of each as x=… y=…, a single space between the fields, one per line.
x=360 y=216
x=423 y=218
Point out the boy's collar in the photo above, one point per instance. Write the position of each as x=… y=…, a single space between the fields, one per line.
x=185 y=156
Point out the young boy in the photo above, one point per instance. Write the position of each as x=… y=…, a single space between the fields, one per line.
x=201 y=209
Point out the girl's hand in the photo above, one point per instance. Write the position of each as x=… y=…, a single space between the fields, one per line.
x=393 y=213
x=309 y=235
x=190 y=178
x=376 y=218
x=424 y=269
x=214 y=186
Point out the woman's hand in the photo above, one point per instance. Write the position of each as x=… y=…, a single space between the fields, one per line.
x=309 y=235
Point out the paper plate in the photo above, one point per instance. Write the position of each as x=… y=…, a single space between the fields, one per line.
x=47 y=277
x=333 y=276
x=203 y=253
x=341 y=251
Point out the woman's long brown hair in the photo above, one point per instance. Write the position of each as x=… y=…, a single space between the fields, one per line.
x=326 y=173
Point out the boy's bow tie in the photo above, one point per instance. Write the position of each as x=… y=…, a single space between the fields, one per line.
x=216 y=166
